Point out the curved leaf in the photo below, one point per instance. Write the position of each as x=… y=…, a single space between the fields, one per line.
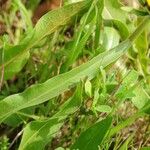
x=16 y=56
x=119 y=26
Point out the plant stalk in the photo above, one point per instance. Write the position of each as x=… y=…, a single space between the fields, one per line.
x=140 y=28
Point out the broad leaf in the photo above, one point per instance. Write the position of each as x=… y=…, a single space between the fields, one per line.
x=38 y=133
x=93 y=137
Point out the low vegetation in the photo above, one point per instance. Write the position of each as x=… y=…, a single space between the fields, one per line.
x=77 y=78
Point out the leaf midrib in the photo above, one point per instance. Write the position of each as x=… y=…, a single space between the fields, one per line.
x=24 y=145
x=56 y=87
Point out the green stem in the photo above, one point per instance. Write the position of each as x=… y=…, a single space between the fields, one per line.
x=125 y=123
x=140 y=28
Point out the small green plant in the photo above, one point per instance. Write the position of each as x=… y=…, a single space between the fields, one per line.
x=78 y=79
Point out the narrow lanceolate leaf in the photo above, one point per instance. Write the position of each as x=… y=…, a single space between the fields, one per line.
x=15 y=57
x=125 y=145
x=24 y=12
x=36 y=131
x=56 y=18
x=93 y=137
x=80 y=41
x=40 y=93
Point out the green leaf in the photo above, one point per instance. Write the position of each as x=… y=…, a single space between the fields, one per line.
x=110 y=38
x=57 y=18
x=32 y=4
x=124 y=146
x=40 y=93
x=38 y=133
x=119 y=26
x=103 y=108
x=59 y=148
x=146 y=108
x=145 y=148
x=16 y=57
x=81 y=37
x=129 y=121
x=99 y=22
x=112 y=10
x=141 y=97
x=88 y=88
x=130 y=78
x=93 y=137
x=24 y=12
x=15 y=119
x=143 y=48
x=128 y=85
x=14 y=60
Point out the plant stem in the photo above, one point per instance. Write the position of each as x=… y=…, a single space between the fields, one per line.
x=125 y=123
x=140 y=28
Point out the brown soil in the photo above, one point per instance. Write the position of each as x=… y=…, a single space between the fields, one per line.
x=44 y=7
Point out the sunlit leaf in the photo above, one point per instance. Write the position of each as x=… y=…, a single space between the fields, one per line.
x=38 y=133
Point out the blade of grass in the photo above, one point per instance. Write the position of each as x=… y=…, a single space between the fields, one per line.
x=79 y=41
x=130 y=120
